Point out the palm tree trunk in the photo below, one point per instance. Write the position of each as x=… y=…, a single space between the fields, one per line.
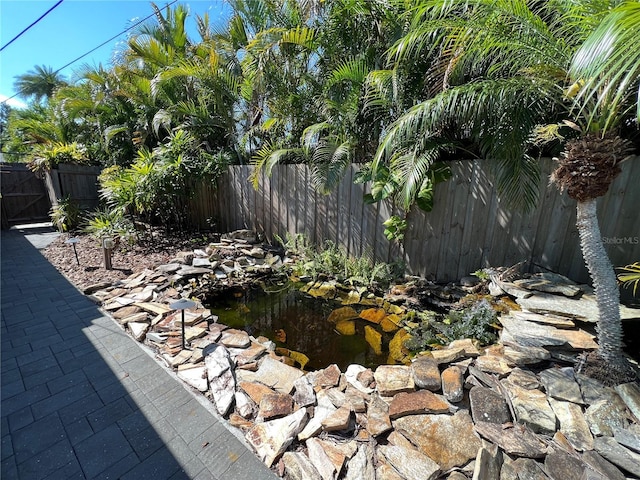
x=609 y=326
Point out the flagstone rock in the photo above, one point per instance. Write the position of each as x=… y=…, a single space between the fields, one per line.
x=549 y=282
x=125 y=312
x=529 y=469
x=387 y=472
x=393 y=379
x=270 y=439
x=222 y=383
x=493 y=364
x=323 y=409
x=608 y=470
x=535 y=335
x=200 y=262
x=516 y=440
x=304 y=394
x=524 y=378
x=138 y=330
x=378 y=420
x=320 y=460
x=560 y=465
x=274 y=374
x=531 y=408
x=521 y=355
x=546 y=319
x=488 y=463
x=250 y=355
x=255 y=390
x=196 y=376
x=453 y=384
x=618 y=455
x=447 y=355
x=573 y=424
x=426 y=373
x=353 y=375
x=604 y=416
x=630 y=394
x=244 y=405
x=585 y=308
x=488 y=406
x=433 y=435
x=422 y=401
x=180 y=358
x=328 y=377
x=275 y=405
x=338 y=420
x=411 y=464
x=193 y=333
x=362 y=464
x=235 y=338
x=336 y=396
x=298 y=467
x=154 y=307
x=356 y=400
x=628 y=437
x=561 y=384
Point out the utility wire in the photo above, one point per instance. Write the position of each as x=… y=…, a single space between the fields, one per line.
x=95 y=48
x=23 y=31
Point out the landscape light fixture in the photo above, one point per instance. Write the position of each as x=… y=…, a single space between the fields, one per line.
x=107 y=246
x=72 y=241
x=182 y=304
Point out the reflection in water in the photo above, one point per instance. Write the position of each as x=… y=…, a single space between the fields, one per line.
x=298 y=322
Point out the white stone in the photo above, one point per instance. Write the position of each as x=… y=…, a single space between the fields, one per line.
x=270 y=439
x=412 y=464
x=195 y=376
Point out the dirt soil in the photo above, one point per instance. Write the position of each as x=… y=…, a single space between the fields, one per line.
x=125 y=259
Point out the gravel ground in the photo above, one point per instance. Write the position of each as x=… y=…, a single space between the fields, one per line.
x=126 y=260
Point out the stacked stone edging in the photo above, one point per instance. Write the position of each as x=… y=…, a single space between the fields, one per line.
x=512 y=410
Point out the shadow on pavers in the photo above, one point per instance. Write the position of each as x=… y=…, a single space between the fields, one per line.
x=81 y=399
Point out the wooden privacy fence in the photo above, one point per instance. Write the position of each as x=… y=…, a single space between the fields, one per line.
x=24 y=197
x=469 y=227
x=77 y=182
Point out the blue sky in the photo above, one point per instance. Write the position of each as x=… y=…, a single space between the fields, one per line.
x=73 y=28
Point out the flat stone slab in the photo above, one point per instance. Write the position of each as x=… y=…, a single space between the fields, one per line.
x=535 y=335
x=275 y=374
x=583 y=308
x=393 y=379
x=513 y=440
x=434 y=436
x=618 y=455
x=412 y=464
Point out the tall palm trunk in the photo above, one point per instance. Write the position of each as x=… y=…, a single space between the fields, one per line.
x=609 y=326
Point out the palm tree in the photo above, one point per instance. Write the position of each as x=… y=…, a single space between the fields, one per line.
x=39 y=83
x=607 y=101
x=501 y=70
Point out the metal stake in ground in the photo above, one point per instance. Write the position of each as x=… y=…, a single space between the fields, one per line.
x=72 y=242
x=182 y=304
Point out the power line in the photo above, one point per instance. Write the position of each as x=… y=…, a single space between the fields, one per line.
x=96 y=48
x=112 y=38
x=23 y=31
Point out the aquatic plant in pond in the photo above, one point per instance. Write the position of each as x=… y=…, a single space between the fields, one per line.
x=478 y=322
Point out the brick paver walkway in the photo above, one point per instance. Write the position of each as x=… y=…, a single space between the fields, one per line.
x=81 y=399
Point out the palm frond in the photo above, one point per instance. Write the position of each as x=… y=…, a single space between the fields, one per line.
x=610 y=68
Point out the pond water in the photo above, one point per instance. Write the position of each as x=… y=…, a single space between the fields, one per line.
x=298 y=322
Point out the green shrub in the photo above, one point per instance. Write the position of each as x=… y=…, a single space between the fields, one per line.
x=65 y=215
x=477 y=322
x=110 y=223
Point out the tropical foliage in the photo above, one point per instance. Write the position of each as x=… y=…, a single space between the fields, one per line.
x=398 y=87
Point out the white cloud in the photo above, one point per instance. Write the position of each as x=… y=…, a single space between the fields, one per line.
x=13 y=102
